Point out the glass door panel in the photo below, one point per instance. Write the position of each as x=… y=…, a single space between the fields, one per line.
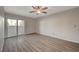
x=12 y=27
x=20 y=27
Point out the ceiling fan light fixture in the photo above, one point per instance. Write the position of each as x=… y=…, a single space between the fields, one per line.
x=39 y=10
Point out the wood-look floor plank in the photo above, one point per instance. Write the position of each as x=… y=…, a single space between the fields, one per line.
x=38 y=43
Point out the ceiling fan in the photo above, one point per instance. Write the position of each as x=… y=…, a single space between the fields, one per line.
x=39 y=9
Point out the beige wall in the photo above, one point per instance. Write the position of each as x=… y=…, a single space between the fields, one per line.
x=64 y=25
x=30 y=26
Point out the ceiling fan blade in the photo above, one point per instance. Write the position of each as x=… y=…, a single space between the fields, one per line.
x=44 y=12
x=39 y=7
x=31 y=11
x=34 y=7
x=44 y=8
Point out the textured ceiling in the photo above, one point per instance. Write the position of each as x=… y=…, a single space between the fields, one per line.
x=24 y=10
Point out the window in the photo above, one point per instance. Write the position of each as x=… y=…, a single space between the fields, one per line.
x=20 y=23
x=12 y=22
x=15 y=27
x=12 y=27
x=20 y=27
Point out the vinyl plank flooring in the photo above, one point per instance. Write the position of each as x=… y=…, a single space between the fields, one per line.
x=38 y=43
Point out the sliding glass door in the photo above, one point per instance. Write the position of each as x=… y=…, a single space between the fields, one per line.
x=12 y=27
x=20 y=27
x=15 y=27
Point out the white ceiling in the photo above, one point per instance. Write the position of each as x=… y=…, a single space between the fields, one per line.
x=24 y=10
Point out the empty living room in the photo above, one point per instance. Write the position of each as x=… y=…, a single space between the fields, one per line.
x=39 y=29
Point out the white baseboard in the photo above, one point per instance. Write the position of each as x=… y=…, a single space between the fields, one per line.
x=62 y=38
